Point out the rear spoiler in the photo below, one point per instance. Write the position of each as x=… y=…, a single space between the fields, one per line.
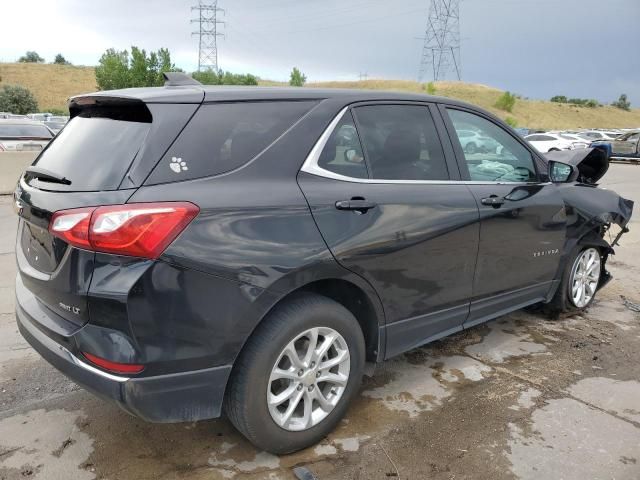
x=116 y=108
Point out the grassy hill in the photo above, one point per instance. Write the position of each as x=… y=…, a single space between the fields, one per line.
x=53 y=84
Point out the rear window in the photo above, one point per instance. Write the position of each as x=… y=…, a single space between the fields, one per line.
x=224 y=136
x=24 y=131
x=94 y=153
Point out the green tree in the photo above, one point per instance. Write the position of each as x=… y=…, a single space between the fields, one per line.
x=31 y=57
x=210 y=77
x=17 y=99
x=559 y=99
x=622 y=103
x=297 y=79
x=60 y=60
x=506 y=102
x=118 y=69
x=430 y=88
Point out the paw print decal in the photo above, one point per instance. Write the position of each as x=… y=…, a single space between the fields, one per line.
x=177 y=165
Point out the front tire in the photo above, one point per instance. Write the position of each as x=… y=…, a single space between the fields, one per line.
x=297 y=374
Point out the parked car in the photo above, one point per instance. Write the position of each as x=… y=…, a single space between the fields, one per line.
x=598 y=135
x=473 y=142
x=549 y=142
x=22 y=135
x=626 y=145
x=12 y=116
x=40 y=117
x=574 y=137
x=190 y=250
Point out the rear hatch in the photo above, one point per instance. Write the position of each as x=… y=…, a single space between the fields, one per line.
x=101 y=156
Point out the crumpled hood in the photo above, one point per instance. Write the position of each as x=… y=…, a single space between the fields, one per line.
x=591 y=163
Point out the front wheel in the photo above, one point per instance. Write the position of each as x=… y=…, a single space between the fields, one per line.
x=579 y=282
x=297 y=374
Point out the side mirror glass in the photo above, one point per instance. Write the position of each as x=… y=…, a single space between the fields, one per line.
x=560 y=172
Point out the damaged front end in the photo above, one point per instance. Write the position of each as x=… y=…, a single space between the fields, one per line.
x=591 y=211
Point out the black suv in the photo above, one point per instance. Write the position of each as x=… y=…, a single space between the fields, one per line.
x=189 y=250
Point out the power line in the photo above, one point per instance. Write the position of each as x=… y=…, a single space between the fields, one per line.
x=207 y=20
x=441 y=48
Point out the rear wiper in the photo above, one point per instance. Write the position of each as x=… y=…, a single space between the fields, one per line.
x=46 y=175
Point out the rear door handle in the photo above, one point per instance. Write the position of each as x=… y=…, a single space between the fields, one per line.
x=357 y=205
x=493 y=201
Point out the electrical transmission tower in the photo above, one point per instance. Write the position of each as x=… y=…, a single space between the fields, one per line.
x=441 y=48
x=207 y=20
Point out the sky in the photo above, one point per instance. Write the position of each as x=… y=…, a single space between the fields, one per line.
x=535 y=48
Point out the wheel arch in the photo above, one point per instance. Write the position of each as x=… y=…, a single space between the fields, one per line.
x=352 y=292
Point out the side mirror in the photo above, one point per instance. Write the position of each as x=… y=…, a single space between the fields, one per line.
x=561 y=172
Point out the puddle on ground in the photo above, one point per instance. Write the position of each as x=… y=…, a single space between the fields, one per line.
x=45 y=445
x=416 y=388
x=507 y=339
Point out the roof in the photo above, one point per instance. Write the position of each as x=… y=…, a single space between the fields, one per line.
x=209 y=93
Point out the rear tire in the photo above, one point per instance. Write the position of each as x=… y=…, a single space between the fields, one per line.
x=471 y=148
x=579 y=282
x=267 y=371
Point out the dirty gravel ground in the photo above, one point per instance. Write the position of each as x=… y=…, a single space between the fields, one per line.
x=520 y=397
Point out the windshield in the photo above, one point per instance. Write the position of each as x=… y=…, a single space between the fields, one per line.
x=24 y=131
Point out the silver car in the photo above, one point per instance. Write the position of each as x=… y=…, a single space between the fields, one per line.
x=23 y=135
x=626 y=145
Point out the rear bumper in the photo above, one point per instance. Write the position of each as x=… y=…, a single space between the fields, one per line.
x=177 y=397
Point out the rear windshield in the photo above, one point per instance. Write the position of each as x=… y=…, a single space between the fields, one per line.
x=94 y=153
x=224 y=136
x=24 y=131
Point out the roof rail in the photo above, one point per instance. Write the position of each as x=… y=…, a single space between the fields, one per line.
x=176 y=79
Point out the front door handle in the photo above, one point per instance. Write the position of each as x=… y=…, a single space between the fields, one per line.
x=493 y=201
x=359 y=205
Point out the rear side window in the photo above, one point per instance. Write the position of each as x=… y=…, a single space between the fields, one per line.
x=94 y=152
x=342 y=154
x=224 y=136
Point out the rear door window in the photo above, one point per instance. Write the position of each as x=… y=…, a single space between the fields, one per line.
x=224 y=136
x=401 y=142
x=94 y=153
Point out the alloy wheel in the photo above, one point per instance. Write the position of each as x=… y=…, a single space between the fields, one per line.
x=585 y=276
x=308 y=379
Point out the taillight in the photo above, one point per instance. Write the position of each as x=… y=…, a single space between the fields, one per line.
x=115 y=367
x=137 y=230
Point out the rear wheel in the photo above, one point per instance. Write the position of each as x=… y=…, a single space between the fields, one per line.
x=579 y=281
x=297 y=374
x=471 y=148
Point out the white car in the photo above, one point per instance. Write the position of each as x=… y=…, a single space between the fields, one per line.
x=574 y=137
x=550 y=142
x=23 y=135
x=473 y=142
